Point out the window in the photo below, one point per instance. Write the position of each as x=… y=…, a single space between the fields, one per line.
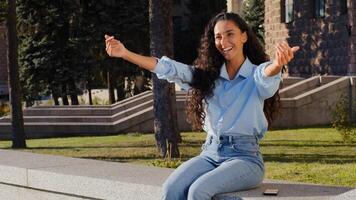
x=343 y=7
x=288 y=14
x=319 y=8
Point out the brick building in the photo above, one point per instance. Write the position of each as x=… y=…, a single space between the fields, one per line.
x=3 y=61
x=324 y=29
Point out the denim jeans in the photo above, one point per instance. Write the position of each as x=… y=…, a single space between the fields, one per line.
x=226 y=164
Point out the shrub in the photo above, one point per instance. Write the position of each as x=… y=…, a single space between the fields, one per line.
x=342 y=117
x=4 y=109
x=167 y=163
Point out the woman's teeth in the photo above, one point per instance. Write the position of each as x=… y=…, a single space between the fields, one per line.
x=227 y=49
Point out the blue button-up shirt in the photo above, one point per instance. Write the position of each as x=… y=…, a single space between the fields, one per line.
x=236 y=107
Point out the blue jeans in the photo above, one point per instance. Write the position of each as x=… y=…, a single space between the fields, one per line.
x=226 y=164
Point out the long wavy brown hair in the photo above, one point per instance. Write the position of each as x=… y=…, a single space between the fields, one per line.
x=208 y=65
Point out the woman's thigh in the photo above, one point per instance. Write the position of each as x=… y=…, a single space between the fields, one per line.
x=232 y=175
x=178 y=183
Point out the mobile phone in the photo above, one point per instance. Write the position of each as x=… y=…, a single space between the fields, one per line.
x=270 y=192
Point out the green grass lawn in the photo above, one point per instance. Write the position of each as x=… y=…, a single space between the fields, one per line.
x=313 y=155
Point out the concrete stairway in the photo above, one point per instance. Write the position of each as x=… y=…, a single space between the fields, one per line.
x=134 y=114
x=304 y=102
x=311 y=101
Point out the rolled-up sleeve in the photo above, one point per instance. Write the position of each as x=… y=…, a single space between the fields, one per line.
x=174 y=72
x=267 y=86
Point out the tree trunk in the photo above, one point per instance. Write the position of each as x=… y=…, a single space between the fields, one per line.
x=120 y=88
x=89 y=93
x=165 y=123
x=17 y=122
x=64 y=94
x=110 y=87
x=73 y=93
x=55 y=98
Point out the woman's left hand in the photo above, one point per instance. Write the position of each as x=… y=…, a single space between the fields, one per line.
x=283 y=55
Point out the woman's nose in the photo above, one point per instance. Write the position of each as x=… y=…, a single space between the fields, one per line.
x=223 y=42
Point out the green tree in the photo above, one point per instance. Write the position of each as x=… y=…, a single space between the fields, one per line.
x=17 y=122
x=62 y=45
x=3 y=9
x=45 y=52
x=253 y=12
x=198 y=14
x=129 y=25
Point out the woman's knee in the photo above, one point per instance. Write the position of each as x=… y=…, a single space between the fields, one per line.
x=199 y=191
x=172 y=190
x=168 y=193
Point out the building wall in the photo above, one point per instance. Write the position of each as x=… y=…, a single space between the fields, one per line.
x=352 y=22
x=3 y=62
x=325 y=42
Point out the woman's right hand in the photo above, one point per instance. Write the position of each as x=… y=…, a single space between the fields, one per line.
x=114 y=47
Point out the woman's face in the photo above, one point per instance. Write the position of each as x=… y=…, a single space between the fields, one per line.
x=229 y=39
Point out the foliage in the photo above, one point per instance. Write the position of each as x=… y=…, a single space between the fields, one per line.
x=46 y=55
x=167 y=163
x=62 y=43
x=3 y=10
x=342 y=114
x=4 y=109
x=187 y=39
x=99 y=101
x=253 y=12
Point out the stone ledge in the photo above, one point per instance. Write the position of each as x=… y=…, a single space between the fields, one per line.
x=37 y=176
x=290 y=191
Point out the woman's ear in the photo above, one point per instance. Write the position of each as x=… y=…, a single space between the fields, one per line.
x=244 y=37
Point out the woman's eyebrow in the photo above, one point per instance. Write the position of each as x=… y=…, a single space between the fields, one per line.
x=227 y=31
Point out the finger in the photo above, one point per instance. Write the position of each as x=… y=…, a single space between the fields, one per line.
x=283 y=58
x=295 y=49
x=106 y=36
x=109 y=39
x=112 y=42
x=109 y=49
x=278 y=58
x=288 y=50
x=280 y=48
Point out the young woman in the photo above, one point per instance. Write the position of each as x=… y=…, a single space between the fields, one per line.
x=234 y=94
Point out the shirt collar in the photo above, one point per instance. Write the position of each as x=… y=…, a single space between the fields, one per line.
x=245 y=70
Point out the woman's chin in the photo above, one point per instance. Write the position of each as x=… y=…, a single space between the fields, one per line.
x=227 y=57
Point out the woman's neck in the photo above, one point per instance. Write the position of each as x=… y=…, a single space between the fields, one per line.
x=233 y=66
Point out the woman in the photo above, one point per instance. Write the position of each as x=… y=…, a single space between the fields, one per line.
x=232 y=99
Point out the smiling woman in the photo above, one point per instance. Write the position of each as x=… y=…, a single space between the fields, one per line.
x=234 y=94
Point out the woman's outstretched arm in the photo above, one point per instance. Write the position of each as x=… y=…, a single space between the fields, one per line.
x=164 y=68
x=115 y=48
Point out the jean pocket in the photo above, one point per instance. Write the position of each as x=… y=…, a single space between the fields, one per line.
x=245 y=147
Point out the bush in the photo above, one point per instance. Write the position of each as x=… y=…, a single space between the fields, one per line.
x=4 y=109
x=167 y=163
x=342 y=117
